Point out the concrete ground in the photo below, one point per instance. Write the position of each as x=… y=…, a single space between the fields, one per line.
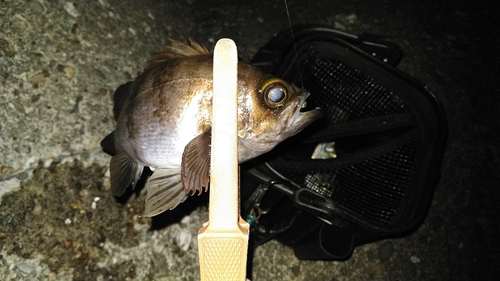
x=60 y=62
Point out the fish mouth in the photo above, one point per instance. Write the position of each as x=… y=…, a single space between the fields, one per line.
x=302 y=115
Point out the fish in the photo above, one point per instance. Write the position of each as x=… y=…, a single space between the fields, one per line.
x=163 y=122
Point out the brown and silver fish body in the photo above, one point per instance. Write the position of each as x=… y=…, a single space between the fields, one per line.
x=164 y=122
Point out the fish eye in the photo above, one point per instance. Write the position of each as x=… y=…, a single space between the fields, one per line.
x=276 y=95
x=274 y=91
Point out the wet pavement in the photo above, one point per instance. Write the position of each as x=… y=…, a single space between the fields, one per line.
x=60 y=62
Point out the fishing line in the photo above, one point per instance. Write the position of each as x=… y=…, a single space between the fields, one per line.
x=294 y=45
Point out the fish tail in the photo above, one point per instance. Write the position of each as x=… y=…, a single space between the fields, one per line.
x=120 y=97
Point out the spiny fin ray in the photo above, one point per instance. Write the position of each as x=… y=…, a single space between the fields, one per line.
x=123 y=173
x=164 y=190
x=177 y=49
x=195 y=167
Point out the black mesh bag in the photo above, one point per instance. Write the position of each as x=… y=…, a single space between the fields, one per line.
x=367 y=169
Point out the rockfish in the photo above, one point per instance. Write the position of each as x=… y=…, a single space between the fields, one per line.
x=164 y=123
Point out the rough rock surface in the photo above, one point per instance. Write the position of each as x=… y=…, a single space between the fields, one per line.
x=60 y=62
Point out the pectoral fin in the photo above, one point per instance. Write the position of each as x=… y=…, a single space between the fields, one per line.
x=123 y=173
x=165 y=191
x=195 y=167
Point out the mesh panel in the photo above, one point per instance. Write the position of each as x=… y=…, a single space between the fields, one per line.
x=347 y=93
x=373 y=188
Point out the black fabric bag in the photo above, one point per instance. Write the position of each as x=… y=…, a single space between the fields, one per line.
x=367 y=169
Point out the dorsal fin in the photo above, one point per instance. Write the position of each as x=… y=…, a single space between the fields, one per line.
x=177 y=49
